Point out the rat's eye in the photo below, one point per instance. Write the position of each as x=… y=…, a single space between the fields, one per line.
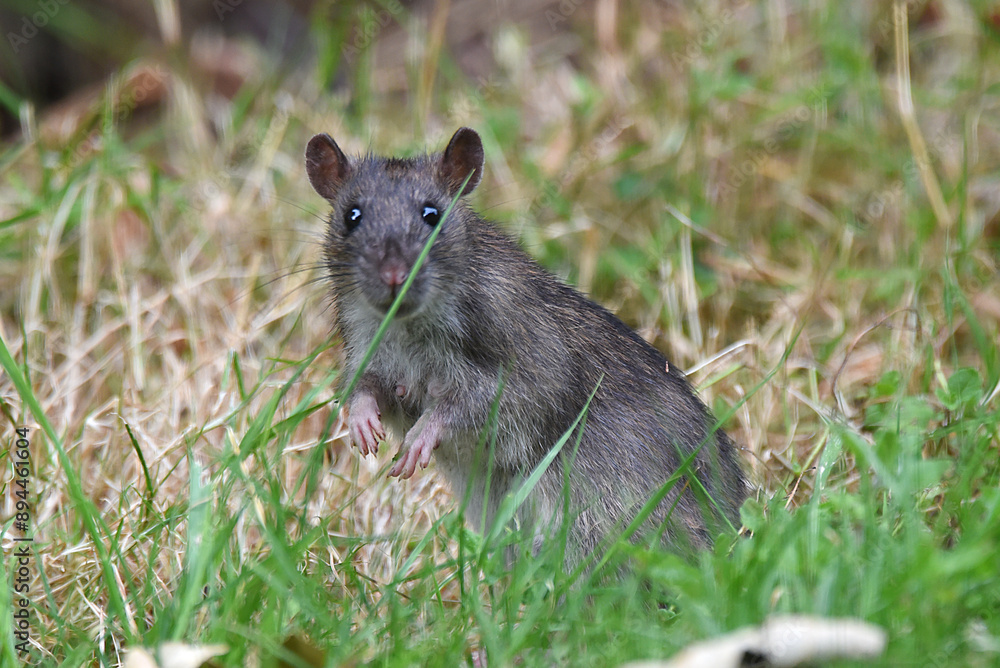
x=430 y=214
x=352 y=217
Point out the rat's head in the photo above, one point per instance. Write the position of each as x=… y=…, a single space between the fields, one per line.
x=384 y=210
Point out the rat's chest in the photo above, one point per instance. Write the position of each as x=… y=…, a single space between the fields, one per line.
x=416 y=366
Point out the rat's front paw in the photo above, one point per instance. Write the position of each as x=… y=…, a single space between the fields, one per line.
x=364 y=424
x=420 y=442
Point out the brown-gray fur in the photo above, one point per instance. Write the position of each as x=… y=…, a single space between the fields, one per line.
x=481 y=311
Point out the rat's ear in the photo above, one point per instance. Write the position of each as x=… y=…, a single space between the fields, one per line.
x=463 y=156
x=326 y=165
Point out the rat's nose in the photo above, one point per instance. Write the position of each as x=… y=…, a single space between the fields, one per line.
x=393 y=273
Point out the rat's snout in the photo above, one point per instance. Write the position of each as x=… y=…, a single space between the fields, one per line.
x=393 y=268
x=393 y=273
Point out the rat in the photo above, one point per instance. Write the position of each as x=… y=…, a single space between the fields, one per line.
x=490 y=360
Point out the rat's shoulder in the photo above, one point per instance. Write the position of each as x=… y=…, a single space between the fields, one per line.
x=528 y=285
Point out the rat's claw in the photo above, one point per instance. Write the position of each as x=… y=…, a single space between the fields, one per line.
x=365 y=439
x=405 y=465
x=364 y=425
x=425 y=455
x=418 y=451
x=367 y=443
x=374 y=434
x=402 y=468
x=358 y=440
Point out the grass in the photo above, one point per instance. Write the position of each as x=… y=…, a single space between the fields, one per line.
x=737 y=182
